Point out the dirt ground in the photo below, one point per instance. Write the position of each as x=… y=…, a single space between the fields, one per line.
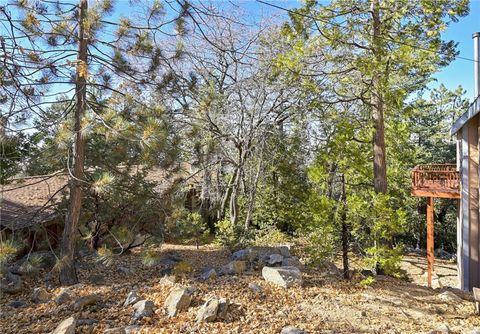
x=324 y=304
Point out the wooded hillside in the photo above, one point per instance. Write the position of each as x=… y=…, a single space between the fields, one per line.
x=195 y=123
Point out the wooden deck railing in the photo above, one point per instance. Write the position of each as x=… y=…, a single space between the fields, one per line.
x=440 y=180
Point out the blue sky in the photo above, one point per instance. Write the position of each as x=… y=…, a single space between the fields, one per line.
x=460 y=72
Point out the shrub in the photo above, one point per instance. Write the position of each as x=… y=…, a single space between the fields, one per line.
x=231 y=236
x=270 y=237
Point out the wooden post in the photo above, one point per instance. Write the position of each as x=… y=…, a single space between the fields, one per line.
x=430 y=240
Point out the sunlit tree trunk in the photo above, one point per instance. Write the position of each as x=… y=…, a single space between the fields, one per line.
x=68 y=275
x=379 y=152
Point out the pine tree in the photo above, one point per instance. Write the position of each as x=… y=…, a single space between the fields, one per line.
x=61 y=53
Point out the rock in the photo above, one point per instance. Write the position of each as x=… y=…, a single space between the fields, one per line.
x=207 y=274
x=131 y=329
x=10 y=283
x=292 y=262
x=174 y=257
x=284 y=250
x=475 y=331
x=168 y=280
x=223 y=304
x=275 y=259
x=178 y=300
x=166 y=271
x=131 y=299
x=234 y=268
x=32 y=263
x=292 y=330
x=476 y=297
x=62 y=297
x=282 y=276
x=67 y=326
x=331 y=268
x=449 y=296
x=208 y=312
x=97 y=279
x=443 y=329
x=84 y=301
x=367 y=273
x=87 y=322
x=241 y=255
x=257 y=289
x=17 y=304
x=124 y=270
x=123 y=330
x=40 y=295
x=167 y=263
x=143 y=308
x=118 y=330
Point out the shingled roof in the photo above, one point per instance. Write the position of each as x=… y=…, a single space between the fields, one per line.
x=32 y=200
x=29 y=201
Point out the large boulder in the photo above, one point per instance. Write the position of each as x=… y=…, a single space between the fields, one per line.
x=67 y=326
x=291 y=262
x=241 y=255
x=284 y=250
x=274 y=259
x=143 y=308
x=282 y=276
x=10 y=283
x=40 y=295
x=178 y=300
x=208 y=312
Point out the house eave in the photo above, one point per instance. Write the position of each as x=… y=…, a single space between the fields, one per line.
x=473 y=110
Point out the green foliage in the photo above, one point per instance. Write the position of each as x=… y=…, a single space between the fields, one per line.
x=13 y=151
x=368 y=281
x=387 y=258
x=150 y=256
x=231 y=236
x=61 y=263
x=32 y=263
x=190 y=227
x=8 y=250
x=270 y=236
x=182 y=268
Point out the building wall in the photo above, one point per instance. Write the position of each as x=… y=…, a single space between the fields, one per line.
x=468 y=221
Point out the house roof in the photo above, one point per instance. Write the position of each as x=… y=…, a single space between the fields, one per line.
x=31 y=200
x=28 y=201
x=472 y=111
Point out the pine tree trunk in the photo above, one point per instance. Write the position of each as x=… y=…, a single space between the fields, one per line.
x=345 y=233
x=379 y=152
x=68 y=275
